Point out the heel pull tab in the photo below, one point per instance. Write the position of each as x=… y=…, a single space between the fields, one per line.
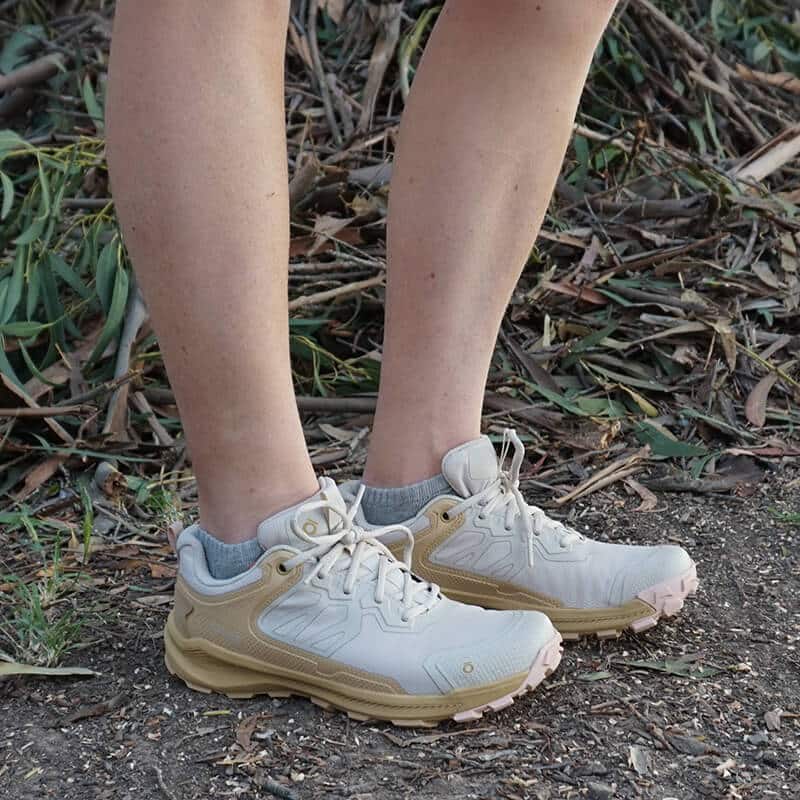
x=173 y=532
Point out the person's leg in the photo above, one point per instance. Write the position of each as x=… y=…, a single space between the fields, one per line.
x=198 y=163
x=196 y=147
x=481 y=144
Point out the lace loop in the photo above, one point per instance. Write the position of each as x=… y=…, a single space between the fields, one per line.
x=348 y=540
x=503 y=494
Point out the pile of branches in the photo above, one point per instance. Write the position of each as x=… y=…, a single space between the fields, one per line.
x=655 y=323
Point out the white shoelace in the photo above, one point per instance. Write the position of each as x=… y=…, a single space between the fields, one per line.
x=353 y=542
x=503 y=494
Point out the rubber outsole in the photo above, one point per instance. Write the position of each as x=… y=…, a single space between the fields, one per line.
x=547 y=660
x=665 y=599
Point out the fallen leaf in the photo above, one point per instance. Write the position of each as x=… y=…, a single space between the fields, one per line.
x=96 y=710
x=39 y=474
x=15 y=668
x=644 y=404
x=162 y=571
x=727 y=338
x=755 y=408
x=649 y=500
x=766 y=275
x=772 y=719
x=683 y=667
x=155 y=600
x=337 y=434
x=689 y=745
x=724 y=769
x=578 y=292
x=639 y=759
x=789 y=256
x=594 y=676
x=246 y=729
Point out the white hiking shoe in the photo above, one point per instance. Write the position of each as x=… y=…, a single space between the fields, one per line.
x=329 y=613
x=485 y=545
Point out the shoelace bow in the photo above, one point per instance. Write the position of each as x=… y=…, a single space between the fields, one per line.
x=349 y=540
x=503 y=493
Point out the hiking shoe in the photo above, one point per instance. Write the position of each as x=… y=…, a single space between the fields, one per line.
x=484 y=544
x=330 y=614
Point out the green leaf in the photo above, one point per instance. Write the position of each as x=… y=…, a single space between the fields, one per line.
x=107 y=268
x=761 y=51
x=116 y=312
x=594 y=676
x=34 y=290
x=44 y=187
x=618 y=377
x=34 y=370
x=618 y=299
x=32 y=232
x=68 y=275
x=54 y=310
x=557 y=399
x=662 y=445
x=23 y=330
x=5 y=364
x=601 y=407
x=8 y=195
x=17 y=46
x=717 y=423
x=579 y=174
x=92 y=106
x=696 y=127
x=685 y=668
x=588 y=342
x=10 y=141
x=14 y=294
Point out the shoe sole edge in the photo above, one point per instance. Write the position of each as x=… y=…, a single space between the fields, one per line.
x=189 y=663
x=643 y=612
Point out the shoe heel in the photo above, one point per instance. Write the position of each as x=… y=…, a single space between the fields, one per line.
x=206 y=673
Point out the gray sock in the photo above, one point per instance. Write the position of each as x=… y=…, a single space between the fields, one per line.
x=228 y=560
x=389 y=506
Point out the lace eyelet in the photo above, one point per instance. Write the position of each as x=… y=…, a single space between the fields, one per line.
x=281 y=568
x=445 y=516
x=509 y=529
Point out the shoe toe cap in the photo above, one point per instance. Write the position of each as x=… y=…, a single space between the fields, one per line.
x=663 y=564
x=520 y=638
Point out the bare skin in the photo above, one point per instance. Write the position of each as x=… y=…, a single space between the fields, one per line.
x=197 y=152
x=481 y=143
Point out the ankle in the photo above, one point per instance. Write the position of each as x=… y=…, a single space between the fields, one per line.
x=232 y=513
x=399 y=460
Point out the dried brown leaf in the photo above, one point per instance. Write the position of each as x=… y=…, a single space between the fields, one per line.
x=755 y=408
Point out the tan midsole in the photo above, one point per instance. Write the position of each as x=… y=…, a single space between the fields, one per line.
x=205 y=665
x=566 y=620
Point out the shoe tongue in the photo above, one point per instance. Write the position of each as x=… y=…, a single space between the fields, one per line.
x=471 y=467
x=277 y=529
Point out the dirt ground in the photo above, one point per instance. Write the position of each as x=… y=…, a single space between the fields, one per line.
x=705 y=706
